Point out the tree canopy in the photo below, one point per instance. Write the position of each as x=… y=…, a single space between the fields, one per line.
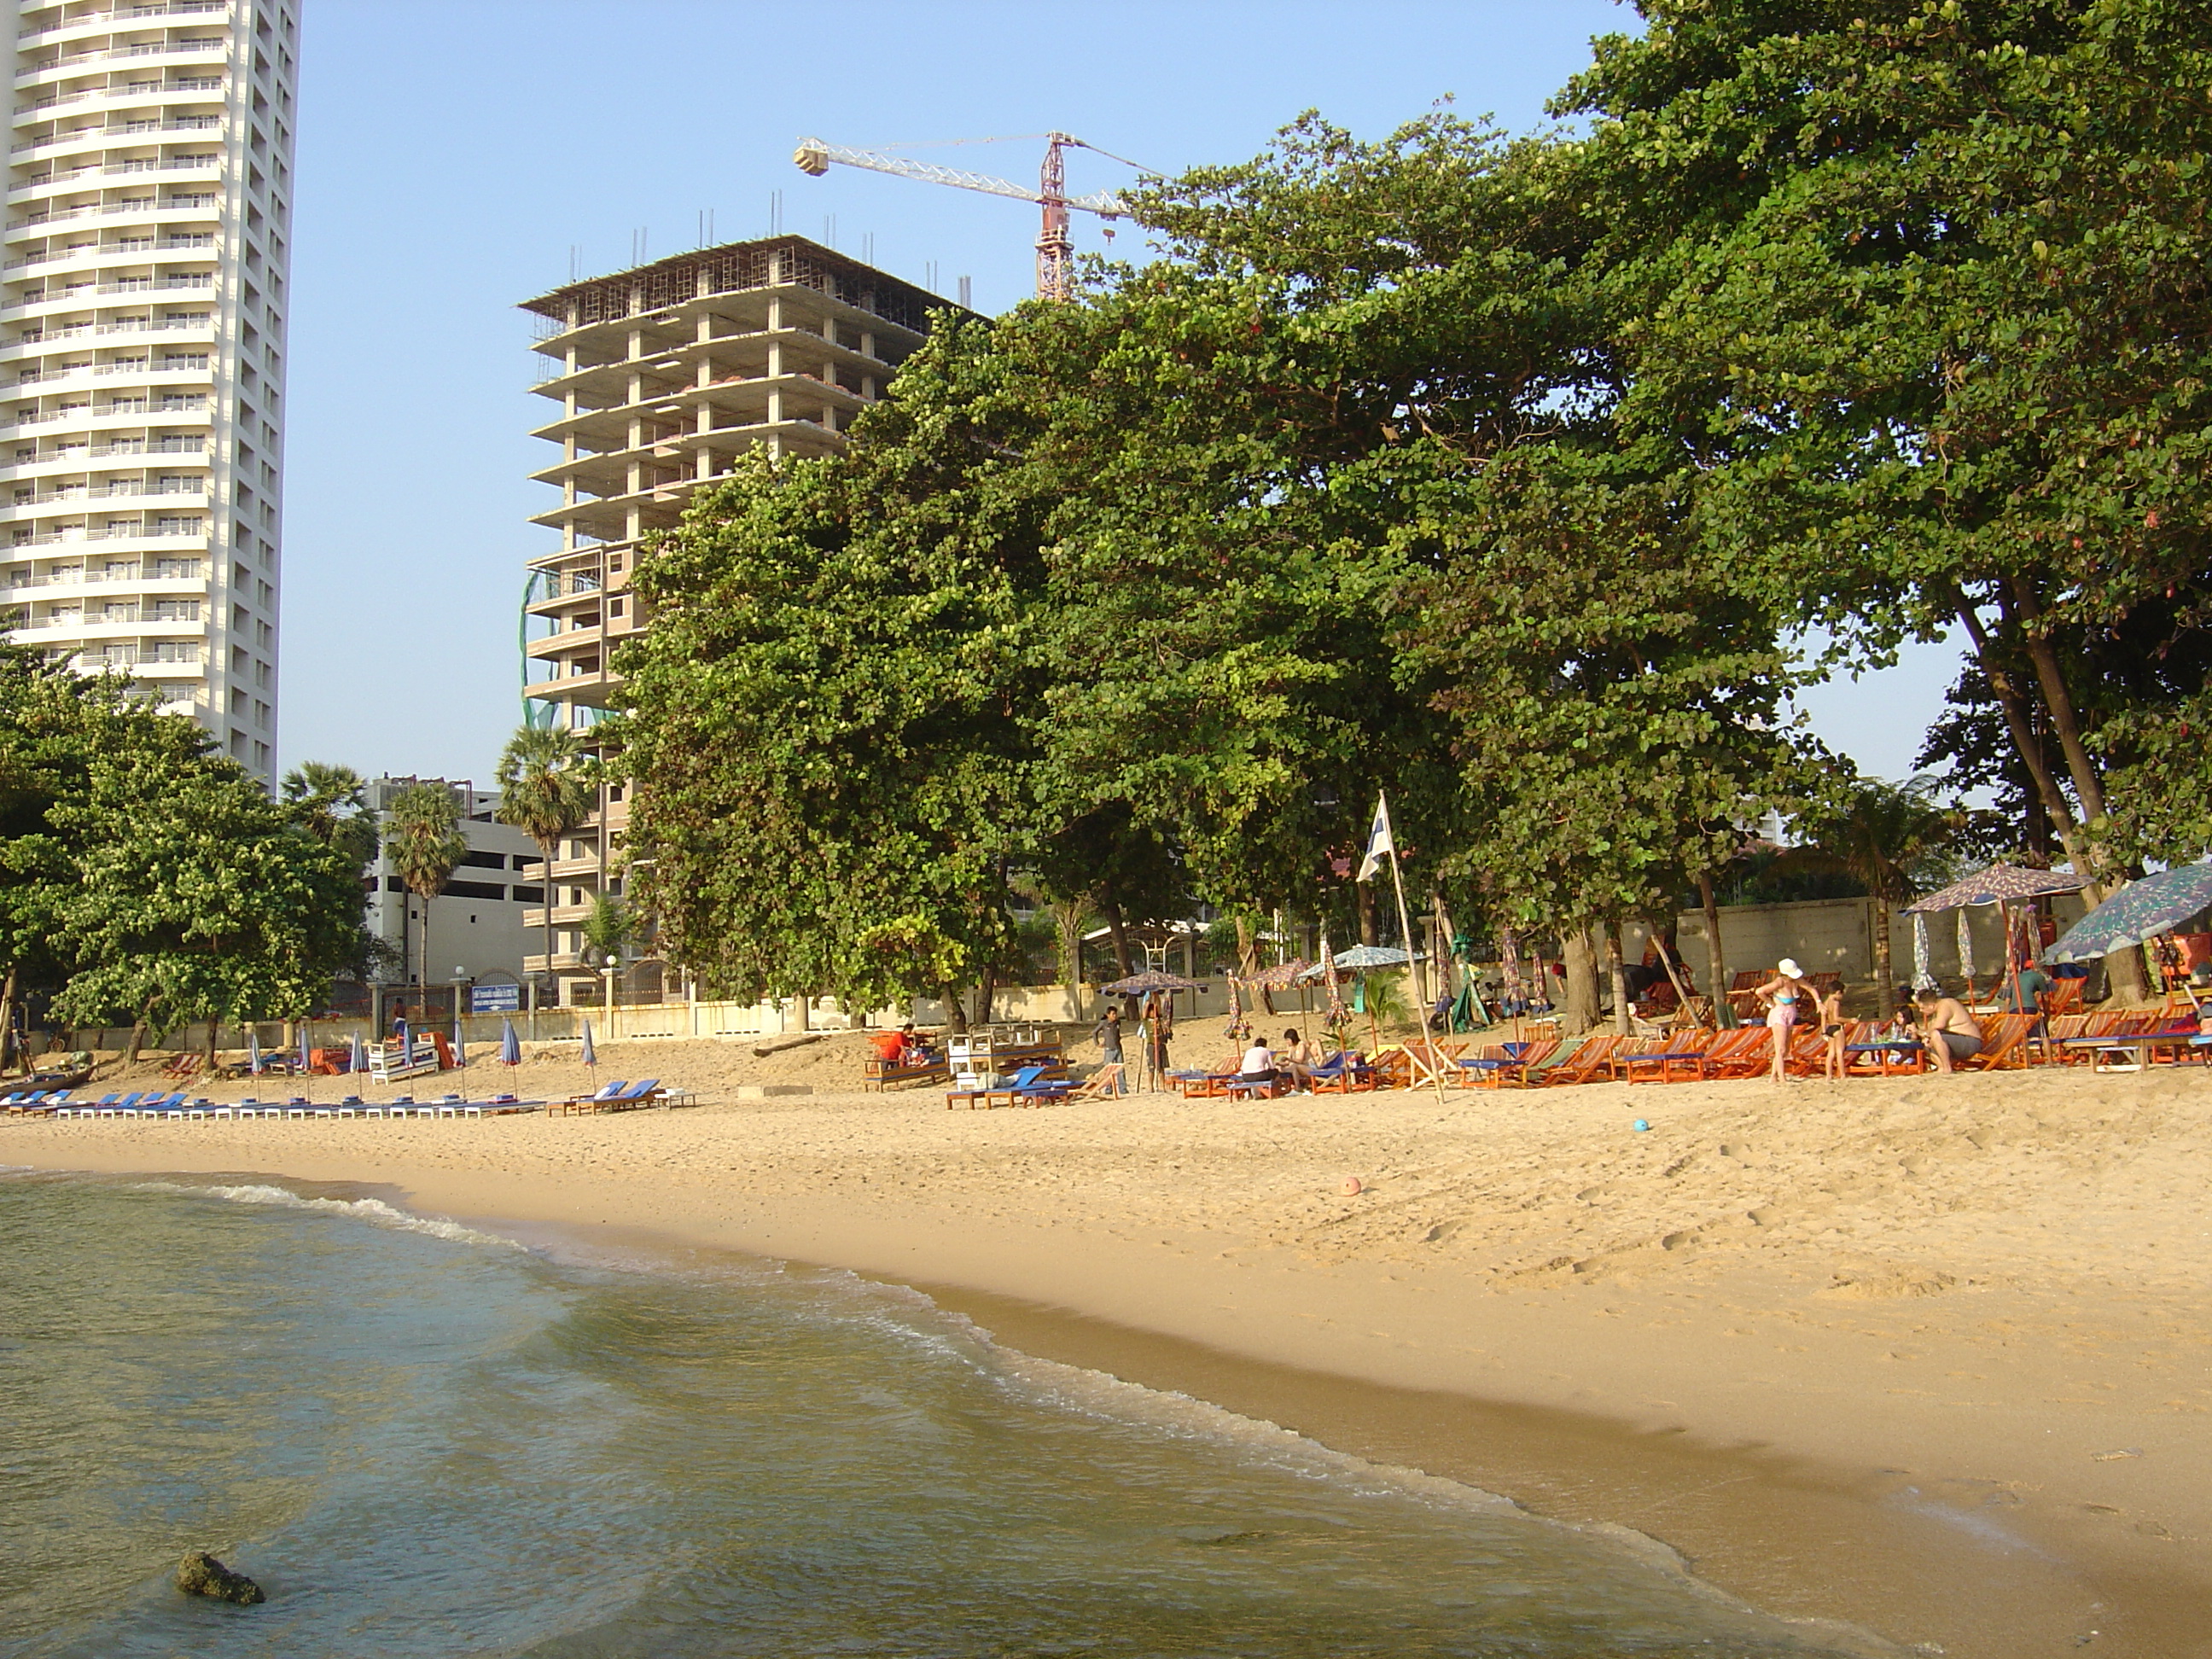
x=1502 y=472
x=145 y=879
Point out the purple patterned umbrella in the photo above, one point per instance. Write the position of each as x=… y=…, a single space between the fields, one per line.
x=2001 y=884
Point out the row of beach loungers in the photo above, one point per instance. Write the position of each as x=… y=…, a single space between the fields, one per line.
x=2108 y=1041
x=617 y=1097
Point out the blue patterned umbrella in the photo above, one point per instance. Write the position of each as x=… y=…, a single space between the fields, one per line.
x=2140 y=911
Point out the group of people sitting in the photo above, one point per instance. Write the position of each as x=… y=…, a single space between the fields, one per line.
x=1295 y=1062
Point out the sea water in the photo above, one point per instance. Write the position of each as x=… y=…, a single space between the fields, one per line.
x=423 y=1439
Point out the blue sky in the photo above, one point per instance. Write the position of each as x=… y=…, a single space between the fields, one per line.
x=455 y=157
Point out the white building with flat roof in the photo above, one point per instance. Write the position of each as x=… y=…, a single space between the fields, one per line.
x=477 y=931
x=142 y=301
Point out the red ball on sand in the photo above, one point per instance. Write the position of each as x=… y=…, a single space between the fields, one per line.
x=1351 y=1187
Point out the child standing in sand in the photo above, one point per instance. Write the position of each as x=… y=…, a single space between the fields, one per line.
x=1832 y=1028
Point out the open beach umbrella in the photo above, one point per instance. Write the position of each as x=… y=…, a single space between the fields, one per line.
x=2001 y=884
x=2139 y=912
x=1137 y=985
x=510 y=1050
x=1283 y=973
x=1377 y=956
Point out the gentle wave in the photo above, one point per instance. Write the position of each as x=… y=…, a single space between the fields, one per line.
x=372 y=1210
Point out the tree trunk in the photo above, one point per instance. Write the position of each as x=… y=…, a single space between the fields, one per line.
x=956 y=1012
x=7 y=1045
x=1716 y=969
x=1581 y=1012
x=2058 y=700
x=214 y=1030
x=2124 y=970
x=1885 y=978
x=138 y=1041
x=546 y=848
x=1117 y=928
x=1368 y=932
x=986 y=993
x=1616 y=965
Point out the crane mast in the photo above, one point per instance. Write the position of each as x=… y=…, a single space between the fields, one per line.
x=1055 y=248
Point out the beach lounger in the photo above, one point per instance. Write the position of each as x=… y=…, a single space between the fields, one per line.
x=582 y=1102
x=1342 y=1073
x=1502 y=1063
x=1682 y=1051
x=1108 y=1081
x=1592 y=1058
x=1010 y=1090
x=2004 y=1043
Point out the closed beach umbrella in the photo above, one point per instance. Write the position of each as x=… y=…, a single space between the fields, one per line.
x=1966 y=949
x=359 y=1063
x=306 y=1053
x=1921 y=978
x=254 y=1051
x=591 y=1055
x=2139 y=912
x=510 y=1050
x=460 y=1045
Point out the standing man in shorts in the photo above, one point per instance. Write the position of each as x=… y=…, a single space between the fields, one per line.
x=1947 y=1031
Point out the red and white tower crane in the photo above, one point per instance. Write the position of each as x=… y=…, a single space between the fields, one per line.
x=1054 y=251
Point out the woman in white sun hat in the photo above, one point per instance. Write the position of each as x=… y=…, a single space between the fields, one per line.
x=1789 y=997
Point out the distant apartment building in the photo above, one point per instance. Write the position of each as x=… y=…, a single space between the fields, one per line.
x=142 y=348
x=664 y=375
x=478 y=930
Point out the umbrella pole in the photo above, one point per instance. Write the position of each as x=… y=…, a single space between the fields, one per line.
x=1405 y=927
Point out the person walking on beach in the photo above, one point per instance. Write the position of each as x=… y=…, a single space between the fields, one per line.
x=1106 y=1034
x=1786 y=995
x=1947 y=1031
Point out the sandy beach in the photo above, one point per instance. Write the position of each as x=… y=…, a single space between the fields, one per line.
x=1929 y=1355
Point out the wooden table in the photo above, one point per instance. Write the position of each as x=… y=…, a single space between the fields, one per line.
x=1899 y=1058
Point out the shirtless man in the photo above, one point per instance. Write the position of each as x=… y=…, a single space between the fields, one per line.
x=1947 y=1031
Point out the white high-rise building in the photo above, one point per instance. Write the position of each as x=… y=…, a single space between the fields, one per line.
x=142 y=300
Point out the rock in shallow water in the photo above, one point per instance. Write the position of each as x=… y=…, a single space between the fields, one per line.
x=201 y=1574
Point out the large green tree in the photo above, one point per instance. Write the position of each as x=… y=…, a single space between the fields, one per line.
x=144 y=879
x=1923 y=288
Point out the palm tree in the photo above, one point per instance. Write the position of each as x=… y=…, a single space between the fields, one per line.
x=1886 y=837
x=546 y=792
x=608 y=932
x=330 y=803
x=422 y=833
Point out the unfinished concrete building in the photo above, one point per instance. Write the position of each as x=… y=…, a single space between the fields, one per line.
x=664 y=375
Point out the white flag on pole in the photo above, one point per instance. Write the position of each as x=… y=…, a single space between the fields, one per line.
x=1378 y=840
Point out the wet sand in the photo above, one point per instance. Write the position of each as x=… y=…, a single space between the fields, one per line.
x=1931 y=1358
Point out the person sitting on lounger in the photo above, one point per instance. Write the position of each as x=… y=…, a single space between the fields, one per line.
x=899 y=1048
x=1947 y=1031
x=1298 y=1058
x=1259 y=1063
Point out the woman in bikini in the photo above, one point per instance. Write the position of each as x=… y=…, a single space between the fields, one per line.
x=1785 y=995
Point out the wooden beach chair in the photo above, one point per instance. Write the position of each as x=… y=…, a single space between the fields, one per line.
x=2004 y=1043
x=1501 y=1063
x=1430 y=1063
x=1343 y=1072
x=1592 y=1058
x=1740 y=990
x=1682 y=1051
x=1745 y=1052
